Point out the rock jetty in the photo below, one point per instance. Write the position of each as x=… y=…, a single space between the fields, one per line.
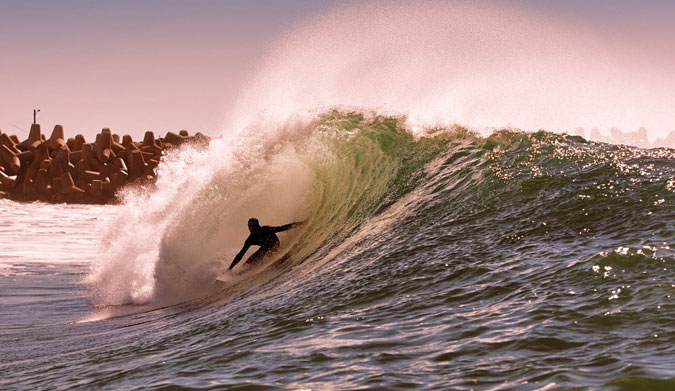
x=57 y=169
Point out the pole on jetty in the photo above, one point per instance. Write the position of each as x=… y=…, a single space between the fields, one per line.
x=35 y=111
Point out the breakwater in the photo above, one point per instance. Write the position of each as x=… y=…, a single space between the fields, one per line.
x=72 y=170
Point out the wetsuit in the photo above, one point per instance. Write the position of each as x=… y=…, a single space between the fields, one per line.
x=266 y=238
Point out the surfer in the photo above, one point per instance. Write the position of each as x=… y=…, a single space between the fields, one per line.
x=265 y=237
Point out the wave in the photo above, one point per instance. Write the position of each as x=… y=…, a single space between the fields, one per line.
x=355 y=176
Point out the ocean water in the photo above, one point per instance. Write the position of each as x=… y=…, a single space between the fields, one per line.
x=439 y=260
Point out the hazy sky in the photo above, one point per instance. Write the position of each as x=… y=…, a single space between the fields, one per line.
x=169 y=65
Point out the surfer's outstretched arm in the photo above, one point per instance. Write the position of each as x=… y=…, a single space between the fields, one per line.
x=287 y=226
x=240 y=255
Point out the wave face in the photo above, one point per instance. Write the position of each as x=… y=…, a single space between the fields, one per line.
x=426 y=261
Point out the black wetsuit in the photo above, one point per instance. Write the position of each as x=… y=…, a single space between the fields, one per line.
x=266 y=238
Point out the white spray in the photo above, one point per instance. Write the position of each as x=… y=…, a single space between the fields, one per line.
x=481 y=66
x=171 y=241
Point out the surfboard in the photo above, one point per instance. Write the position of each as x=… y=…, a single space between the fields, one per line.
x=237 y=273
x=225 y=277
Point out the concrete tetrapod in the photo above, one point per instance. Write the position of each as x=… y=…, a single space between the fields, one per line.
x=79 y=141
x=136 y=164
x=149 y=144
x=68 y=185
x=10 y=159
x=102 y=147
x=34 y=138
x=6 y=181
x=5 y=139
x=57 y=138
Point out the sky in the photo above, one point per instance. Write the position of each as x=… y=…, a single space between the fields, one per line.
x=168 y=65
x=131 y=66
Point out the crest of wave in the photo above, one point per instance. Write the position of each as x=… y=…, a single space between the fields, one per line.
x=477 y=65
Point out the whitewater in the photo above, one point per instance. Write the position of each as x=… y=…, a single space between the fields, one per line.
x=435 y=255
